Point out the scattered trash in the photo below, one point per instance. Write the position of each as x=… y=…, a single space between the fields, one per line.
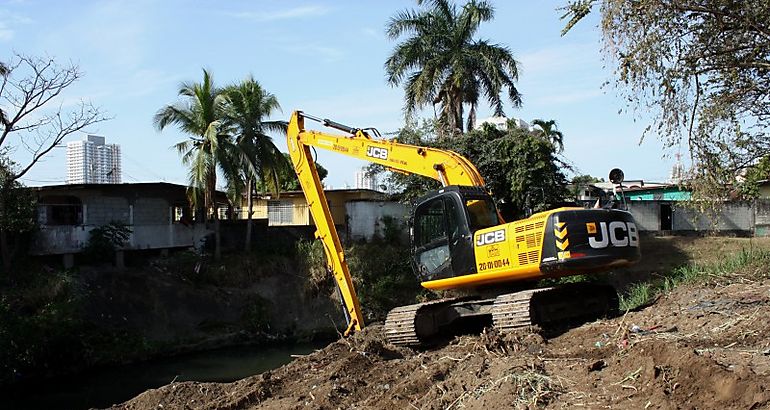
x=598 y=344
x=641 y=331
x=597 y=365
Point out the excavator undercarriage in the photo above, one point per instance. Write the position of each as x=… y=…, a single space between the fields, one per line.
x=543 y=308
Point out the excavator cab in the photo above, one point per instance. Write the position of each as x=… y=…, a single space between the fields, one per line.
x=442 y=228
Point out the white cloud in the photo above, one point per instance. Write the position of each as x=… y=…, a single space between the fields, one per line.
x=287 y=14
x=6 y=34
x=7 y=21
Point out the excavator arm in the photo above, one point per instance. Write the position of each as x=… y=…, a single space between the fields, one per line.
x=447 y=167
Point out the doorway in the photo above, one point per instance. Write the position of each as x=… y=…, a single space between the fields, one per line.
x=666 y=217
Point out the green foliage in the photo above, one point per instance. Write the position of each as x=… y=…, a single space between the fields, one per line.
x=749 y=187
x=381 y=271
x=581 y=181
x=440 y=62
x=312 y=259
x=701 y=70
x=392 y=229
x=104 y=240
x=383 y=277
x=735 y=265
x=255 y=156
x=43 y=331
x=17 y=213
x=288 y=178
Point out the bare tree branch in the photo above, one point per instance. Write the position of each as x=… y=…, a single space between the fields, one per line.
x=29 y=86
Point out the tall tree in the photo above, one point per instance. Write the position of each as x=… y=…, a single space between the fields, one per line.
x=33 y=122
x=548 y=130
x=701 y=68
x=200 y=113
x=441 y=63
x=256 y=158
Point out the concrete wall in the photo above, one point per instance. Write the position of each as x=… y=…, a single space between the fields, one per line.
x=101 y=210
x=762 y=218
x=55 y=240
x=365 y=218
x=735 y=217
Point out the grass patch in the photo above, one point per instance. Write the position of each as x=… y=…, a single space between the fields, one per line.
x=730 y=267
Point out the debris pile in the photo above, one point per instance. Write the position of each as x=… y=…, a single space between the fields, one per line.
x=703 y=346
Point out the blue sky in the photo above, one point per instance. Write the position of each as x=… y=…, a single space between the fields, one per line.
x=324 y=57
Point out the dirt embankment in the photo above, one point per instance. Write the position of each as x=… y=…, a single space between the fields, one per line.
x=705 y=346
x=179 y=311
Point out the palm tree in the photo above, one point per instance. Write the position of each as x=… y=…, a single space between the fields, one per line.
x=200 y=114
x=441 y=63
x=550 y=133
x=256 y=158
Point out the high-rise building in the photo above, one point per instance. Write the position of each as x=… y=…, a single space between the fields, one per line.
x=91 y=161
x=364 y=181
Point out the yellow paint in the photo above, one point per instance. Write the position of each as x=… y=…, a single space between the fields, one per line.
x=565 y=255
x=591 y=227
x=562 y=245
x=517 y=273
x=560 y=234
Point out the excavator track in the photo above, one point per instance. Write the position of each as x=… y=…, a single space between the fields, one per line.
x=546 y=308
x=514 y=310
x=402 y=323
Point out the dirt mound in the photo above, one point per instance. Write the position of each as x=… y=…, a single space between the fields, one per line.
x=698 y=347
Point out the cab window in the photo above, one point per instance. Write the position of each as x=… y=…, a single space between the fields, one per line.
x=482 y=214
x=430 y=225
x=432 y=255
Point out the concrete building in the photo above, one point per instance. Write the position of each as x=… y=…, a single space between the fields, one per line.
x=158 y=215
x=92 y=161
x=501 y=123
x=364 y=181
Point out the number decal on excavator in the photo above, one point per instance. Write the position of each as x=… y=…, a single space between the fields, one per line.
x=494 y=264
x=375 y=152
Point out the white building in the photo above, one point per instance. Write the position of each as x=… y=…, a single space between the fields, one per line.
x=364 y=181
x=501 y=123
x=91 y=161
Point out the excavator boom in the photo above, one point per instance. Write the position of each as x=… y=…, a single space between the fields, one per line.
x=447 y=167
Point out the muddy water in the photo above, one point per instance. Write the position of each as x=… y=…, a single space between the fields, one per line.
x=105 y=387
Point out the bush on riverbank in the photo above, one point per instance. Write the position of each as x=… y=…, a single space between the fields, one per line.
x=42 y=330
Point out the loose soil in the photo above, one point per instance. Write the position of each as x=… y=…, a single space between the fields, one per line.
x=704 y=346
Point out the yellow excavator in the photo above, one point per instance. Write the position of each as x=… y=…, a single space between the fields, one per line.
x=460 y=241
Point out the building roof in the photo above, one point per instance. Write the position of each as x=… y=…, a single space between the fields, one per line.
x=341 y=190
x=108 y=187
x=123 y=188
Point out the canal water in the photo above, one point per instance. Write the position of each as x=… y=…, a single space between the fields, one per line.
x=105 y=387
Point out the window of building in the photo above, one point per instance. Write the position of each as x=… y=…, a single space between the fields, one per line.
x=280 y=212
x=61 y=210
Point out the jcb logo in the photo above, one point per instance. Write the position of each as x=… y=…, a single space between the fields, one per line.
x=617 y=233
x=374 y=152
x=490 y=237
